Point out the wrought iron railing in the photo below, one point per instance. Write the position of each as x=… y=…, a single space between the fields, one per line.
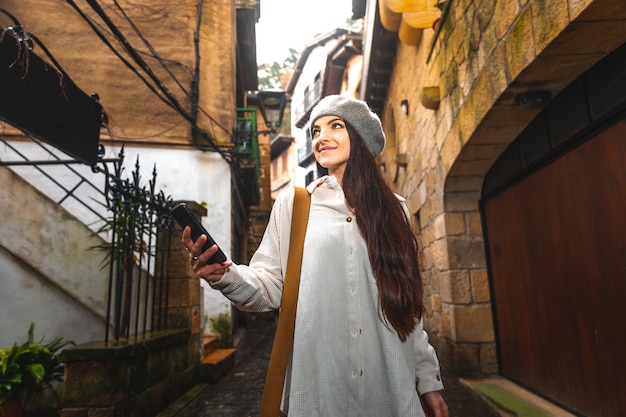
x=132 y=219
x=311 y=97
x=139 y=254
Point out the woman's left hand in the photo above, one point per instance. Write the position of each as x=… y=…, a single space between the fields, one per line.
x=434 y=404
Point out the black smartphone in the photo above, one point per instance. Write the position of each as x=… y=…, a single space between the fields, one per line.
x=185 y=217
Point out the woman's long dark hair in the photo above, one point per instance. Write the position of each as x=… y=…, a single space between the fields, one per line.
x=392 y=246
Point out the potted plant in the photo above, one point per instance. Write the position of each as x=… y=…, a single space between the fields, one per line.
x=26 y=369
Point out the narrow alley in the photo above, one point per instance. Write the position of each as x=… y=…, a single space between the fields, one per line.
x=239 y=392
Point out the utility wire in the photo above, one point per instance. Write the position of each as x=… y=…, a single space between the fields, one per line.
x=124 y=60
x=154 y=53
x=165 y=94
x=137 y=58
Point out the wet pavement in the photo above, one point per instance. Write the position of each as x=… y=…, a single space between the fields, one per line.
x=239 y=392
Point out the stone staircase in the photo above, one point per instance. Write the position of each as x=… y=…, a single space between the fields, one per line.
x=217 y=361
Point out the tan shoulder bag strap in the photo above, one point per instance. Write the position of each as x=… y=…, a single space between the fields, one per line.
x=283 y=340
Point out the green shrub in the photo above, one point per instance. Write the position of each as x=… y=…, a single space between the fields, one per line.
x=221 y=326
x=29 y=368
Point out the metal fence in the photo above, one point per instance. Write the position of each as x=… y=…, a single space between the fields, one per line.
x=139 y=254
x=131 y=218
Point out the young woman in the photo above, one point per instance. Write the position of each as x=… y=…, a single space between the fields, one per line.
x=359 y=346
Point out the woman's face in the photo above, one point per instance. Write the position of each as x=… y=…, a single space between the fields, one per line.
x=331 y=144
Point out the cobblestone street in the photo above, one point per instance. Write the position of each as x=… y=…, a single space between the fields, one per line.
x=239 y=392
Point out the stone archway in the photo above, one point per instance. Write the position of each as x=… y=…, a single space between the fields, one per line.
x=488 y=121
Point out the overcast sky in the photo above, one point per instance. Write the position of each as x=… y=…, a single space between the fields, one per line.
x=288 y=24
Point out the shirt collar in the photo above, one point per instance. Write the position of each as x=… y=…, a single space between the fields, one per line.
x=327 y=181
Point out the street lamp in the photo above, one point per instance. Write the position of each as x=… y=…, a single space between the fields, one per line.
x=271 y=104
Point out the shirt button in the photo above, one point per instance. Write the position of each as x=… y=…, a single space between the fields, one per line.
x=349 y=219
x=352 y=290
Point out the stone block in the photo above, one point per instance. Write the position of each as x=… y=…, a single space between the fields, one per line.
x=470 y=168
x=549 y=18
x=480 y=286
x=455 y=223
x=179 y=317
x=488 y=44
x=465 y=359
x=435 y=302
x=196 y=319
x=179 y=262
x=485 y=12
x=437 y=253
x=462 y=201
x=474 y=223
x=445 y=331
x=179 y=292
x=519 y=45
x=455 y=287
x=505 y=13
x=424 y=216
x=488 y=359
x=472 y=324
x=94 y=383
x=465 y=253
x=450 y=150
x=464 y=183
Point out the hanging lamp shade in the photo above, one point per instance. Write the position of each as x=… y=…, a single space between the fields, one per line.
x=421 y=20
x=388 y=18
x=409 y=35
x=404 y=6
x=418 y=14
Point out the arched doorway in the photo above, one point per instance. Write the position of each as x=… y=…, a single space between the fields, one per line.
x=552 y=207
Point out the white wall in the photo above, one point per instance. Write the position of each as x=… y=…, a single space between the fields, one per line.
x=48 y=275
x=203 y=177
x=27 y=297
x=183 y=174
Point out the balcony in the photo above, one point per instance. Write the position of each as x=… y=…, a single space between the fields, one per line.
x=311 y=98
x=305 y=154
x=248 y=167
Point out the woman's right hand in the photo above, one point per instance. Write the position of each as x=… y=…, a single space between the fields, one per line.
x=198 y=259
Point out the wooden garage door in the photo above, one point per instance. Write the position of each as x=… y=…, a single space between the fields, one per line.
x=557 y=251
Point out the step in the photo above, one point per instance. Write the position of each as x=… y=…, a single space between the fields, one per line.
x=511 y=400
x=216 y=364
x=219 y=355
x=210 y=344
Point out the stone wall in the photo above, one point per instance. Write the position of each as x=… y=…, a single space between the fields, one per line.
x=462 y=113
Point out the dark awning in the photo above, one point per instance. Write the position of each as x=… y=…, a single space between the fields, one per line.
x=40 y=101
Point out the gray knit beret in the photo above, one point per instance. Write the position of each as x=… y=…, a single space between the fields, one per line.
x=358 y=115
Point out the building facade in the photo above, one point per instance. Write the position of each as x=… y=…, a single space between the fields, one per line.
x=505 y=127
x=330 y=64
x=169 y=80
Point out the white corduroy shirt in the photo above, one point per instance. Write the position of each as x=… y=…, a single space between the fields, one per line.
x=345 y=361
